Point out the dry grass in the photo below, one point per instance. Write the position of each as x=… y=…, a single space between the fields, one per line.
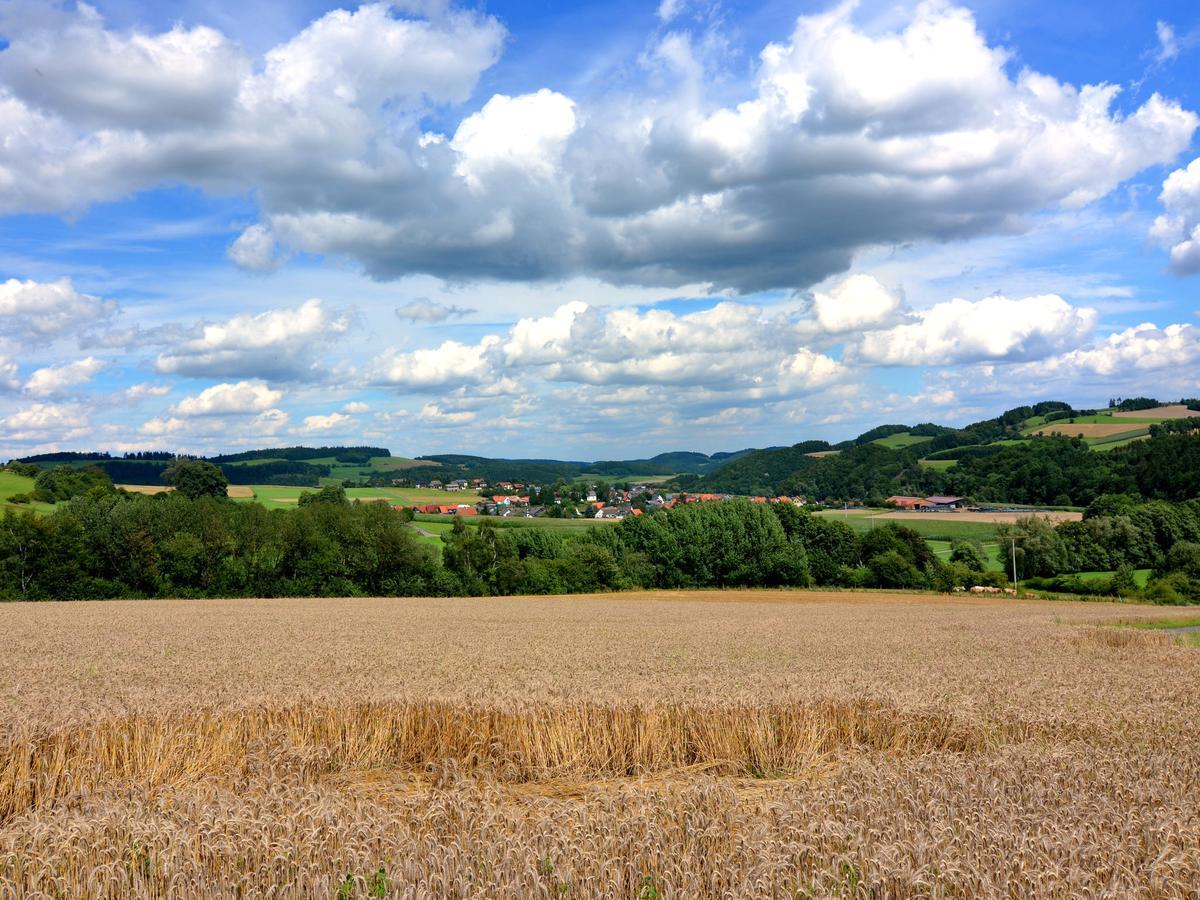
x=766 y=744
x=234 y=490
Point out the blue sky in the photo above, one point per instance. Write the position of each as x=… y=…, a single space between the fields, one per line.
x=586 y=230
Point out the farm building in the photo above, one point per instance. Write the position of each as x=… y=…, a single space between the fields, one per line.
x=908 y=502
x=940 y=503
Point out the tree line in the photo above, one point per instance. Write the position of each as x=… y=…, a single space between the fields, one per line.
x=195 y=542
x=1120 y=534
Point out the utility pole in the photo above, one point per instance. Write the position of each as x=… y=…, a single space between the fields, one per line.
x=1014 y=561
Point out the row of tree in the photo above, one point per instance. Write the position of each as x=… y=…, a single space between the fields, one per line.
x=194 y=543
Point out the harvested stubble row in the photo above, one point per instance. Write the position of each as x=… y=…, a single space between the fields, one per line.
x=755 y=744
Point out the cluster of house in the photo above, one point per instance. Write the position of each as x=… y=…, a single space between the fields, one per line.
x=927 y=504
x=617 y=503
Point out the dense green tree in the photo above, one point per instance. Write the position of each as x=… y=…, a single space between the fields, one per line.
x=195 y=478
x=968 y=553
x=1040 y=551
x=64 y=482
x=891 y=569
x=333 y=493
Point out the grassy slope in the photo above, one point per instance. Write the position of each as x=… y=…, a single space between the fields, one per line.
x=11 y=484
x=902 y=439
x=938 y=463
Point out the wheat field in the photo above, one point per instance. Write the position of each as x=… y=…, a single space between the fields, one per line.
x=654 y=745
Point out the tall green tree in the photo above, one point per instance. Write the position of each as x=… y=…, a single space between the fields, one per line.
x=196 y=478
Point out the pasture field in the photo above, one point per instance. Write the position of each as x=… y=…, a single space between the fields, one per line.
x=937 y=463
x=662 y=744
x=902 y=439
x=946 y=526
x=275 y=496
x=1110 y=429
x=12 y=484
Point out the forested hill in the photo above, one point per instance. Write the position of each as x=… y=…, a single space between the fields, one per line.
x=1014 y=458
x=312 y=466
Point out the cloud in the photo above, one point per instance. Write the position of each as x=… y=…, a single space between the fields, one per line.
x=39 y=313
x=422 y=309
x=9 y=379
x=432 y=414
x=75 y=68
x=526 y=134
x=1178 y=228
x=161 y=426
x=452 y=364
x=994 y=328
x=45 y=421
x=729 y=347
x=1143 y=348
x=314 y=424
x=670 y=9
x=1168 y=44
x=255 y=250
x=137 y=392
x=280 y=344
x=855 y=303
x=356 y=407
x=53 y=380
x=849 y=138
x=229 y=399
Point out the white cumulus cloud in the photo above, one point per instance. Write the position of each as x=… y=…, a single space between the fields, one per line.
x=1178 y=228
x=315 y=424
x=237 y=398
x=41 y=312
x=255 y=250
x=994 y=328
x=53 y=380
x=277 y=344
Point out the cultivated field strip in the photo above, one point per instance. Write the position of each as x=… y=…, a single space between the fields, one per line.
x=765 y=744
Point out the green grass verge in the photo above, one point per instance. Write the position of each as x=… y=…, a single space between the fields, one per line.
x=1162 y=624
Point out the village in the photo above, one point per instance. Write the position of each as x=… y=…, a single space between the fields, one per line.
x=507 y=499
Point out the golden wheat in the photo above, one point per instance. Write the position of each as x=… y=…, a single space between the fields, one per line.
x=767 y=744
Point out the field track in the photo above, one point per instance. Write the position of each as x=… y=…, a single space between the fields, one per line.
x=706 y=744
